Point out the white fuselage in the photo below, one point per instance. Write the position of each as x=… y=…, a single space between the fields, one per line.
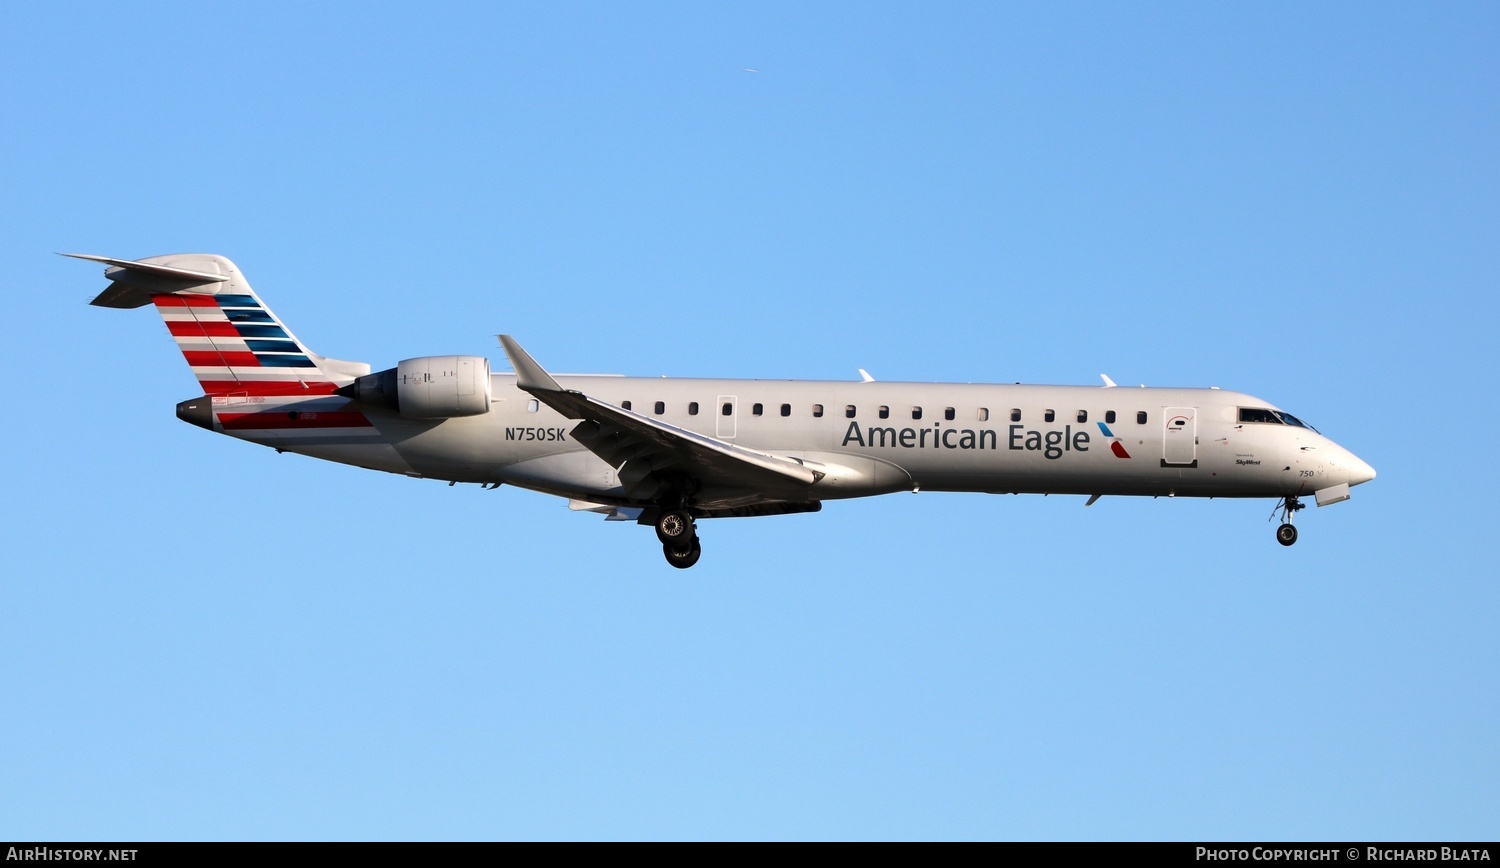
x=871 y=438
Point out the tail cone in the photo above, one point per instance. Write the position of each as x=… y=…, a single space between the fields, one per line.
x=197 y=411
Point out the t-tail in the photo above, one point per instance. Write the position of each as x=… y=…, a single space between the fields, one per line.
x=235 y=345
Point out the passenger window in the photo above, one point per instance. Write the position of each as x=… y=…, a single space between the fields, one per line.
x=818 y=410
x=916 y=412
x=1140 y=418
x=625 y=405
x=1049 y=416
x=533 y=405
x=984 y=414
x=692 y=408
x=1109 y=416
x=661 y=407
x=1083 y=416
x=1015 y=415
x=786 y=409
x=727 y=409
x=885 y=412
x=848 y=411
x=949 y=414
x=758 y=409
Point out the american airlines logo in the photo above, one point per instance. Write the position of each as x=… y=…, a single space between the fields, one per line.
x=1115 y=445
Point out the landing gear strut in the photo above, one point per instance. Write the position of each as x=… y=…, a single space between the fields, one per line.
x=1287 y=534
x=679 y=538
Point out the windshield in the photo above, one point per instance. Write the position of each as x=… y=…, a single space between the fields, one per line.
x=1289 y=419
x=1268 y=416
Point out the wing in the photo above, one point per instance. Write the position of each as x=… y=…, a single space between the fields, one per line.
x=653 y=457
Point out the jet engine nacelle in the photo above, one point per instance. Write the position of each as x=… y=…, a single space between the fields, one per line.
x=430 y=387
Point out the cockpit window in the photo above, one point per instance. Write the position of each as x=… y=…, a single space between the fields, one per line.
x=1259 y=414
x=1273 y=417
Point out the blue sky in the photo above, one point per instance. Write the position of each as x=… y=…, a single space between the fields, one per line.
x=203 y=639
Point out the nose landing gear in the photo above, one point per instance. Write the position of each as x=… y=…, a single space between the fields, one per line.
x=1286 y=534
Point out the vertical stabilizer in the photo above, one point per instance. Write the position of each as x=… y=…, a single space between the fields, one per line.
x=232 y=341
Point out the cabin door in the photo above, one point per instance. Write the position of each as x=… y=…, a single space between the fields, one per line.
x=1180 y=437
x=724 y=413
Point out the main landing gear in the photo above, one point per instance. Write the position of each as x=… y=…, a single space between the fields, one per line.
x=679 y=538
x=1287 y=534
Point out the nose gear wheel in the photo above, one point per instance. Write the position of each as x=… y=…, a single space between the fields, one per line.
x=1286 y=534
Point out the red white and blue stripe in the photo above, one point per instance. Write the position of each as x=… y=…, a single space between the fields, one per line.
x=259 y=377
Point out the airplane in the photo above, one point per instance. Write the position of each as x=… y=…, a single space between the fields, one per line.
x=667 y=452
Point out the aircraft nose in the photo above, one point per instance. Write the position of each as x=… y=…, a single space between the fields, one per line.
x=1359 y=471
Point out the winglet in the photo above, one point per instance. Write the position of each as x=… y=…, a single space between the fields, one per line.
x=864 y=376
x=1108 y=383
x=529 y=374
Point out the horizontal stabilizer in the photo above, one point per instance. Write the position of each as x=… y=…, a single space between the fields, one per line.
x=182 y=274
x=133 y=282
x=122 y=296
